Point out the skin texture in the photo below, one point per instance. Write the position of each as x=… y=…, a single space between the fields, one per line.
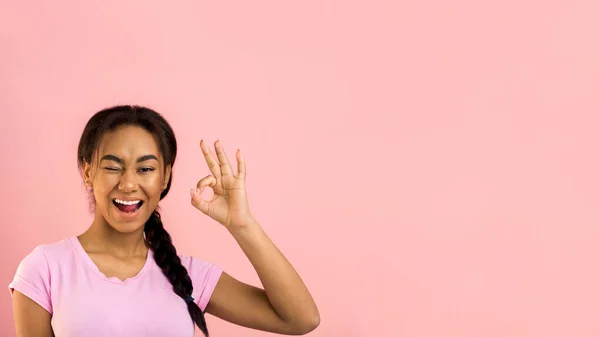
x=116 y=244
x=30 y=318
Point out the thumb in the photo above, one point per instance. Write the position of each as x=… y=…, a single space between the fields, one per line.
x=198 y=201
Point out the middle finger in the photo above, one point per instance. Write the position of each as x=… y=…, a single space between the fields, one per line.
x=225 y=167
x=213 y=165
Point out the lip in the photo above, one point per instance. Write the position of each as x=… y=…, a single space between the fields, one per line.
x=126 y=215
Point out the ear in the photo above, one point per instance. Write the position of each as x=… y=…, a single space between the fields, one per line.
x=87 y=174
x=166 y=177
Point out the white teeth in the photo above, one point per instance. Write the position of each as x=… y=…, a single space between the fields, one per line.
x=123 y=202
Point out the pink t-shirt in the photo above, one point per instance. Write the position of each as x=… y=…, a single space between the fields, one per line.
x=63 y=279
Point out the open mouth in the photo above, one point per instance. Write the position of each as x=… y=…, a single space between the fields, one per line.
x=128 y=206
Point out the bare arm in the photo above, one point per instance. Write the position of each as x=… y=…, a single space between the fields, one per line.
x=285 y=305
x=31 y=320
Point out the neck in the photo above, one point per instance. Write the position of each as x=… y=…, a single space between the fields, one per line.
x=102 y=237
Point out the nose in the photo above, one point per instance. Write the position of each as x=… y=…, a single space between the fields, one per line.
x=128 y=182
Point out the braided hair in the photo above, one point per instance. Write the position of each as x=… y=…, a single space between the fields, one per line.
x=157 y=237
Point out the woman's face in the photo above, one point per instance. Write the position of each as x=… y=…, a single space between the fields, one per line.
x=127 y=176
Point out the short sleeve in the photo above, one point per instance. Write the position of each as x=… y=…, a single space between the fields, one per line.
x=32 y=279
x=204 y=276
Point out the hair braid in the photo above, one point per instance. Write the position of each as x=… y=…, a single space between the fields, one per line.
x=166 y=258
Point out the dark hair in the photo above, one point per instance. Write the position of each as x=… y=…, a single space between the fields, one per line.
x=157 y=237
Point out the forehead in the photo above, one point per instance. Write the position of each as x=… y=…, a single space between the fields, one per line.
x=129 y=141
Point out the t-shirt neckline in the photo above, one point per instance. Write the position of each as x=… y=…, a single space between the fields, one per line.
x=78 y=248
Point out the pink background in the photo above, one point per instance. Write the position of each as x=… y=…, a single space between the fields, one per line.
x=430 y=167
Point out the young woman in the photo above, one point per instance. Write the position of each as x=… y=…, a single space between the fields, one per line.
x=123 y=276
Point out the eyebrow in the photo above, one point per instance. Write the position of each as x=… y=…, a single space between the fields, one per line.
x=121 y=162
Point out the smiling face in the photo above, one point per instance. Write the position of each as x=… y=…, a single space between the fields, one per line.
x=128 y=176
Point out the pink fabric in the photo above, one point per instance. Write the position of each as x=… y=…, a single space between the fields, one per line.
x=62 y=279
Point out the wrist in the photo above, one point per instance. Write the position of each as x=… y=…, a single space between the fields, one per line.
x=247 y=226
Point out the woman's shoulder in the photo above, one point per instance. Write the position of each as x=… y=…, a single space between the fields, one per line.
x=43 y=257
x=204 y=275
x=195 y=264
x=201 y=270
x=34 y=272
x=52 y=251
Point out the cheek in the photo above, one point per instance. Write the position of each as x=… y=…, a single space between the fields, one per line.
x=104 y=184
x=100 y=195
x=152 y=186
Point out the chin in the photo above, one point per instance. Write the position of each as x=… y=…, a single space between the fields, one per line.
x=124 y=227
x=127 y=228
